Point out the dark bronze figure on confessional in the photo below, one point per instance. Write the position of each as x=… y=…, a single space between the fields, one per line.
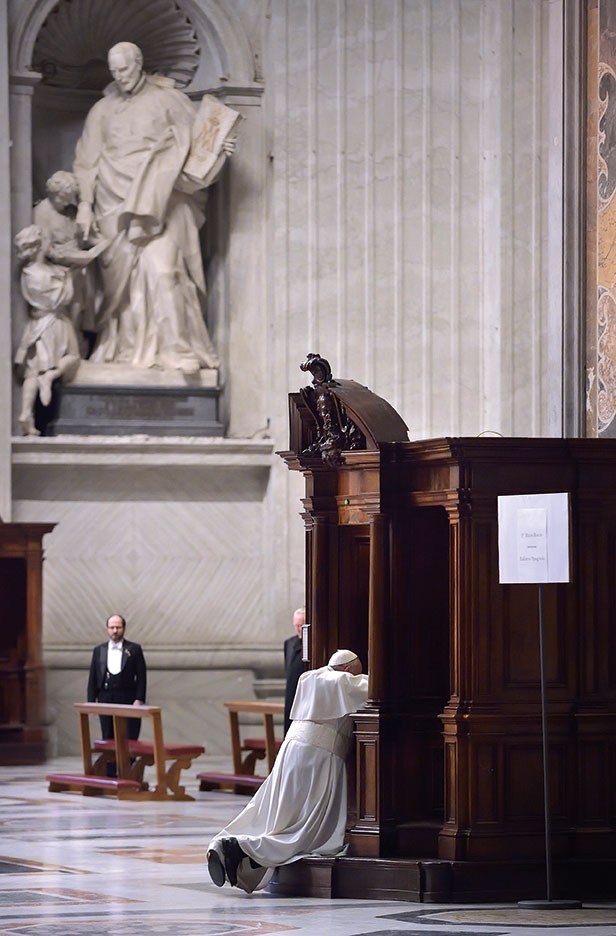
x=336 y=432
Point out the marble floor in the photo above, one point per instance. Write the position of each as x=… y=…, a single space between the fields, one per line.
x=75 y=866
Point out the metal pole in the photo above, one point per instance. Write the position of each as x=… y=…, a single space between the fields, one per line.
x=549 y=903
x=544 y=732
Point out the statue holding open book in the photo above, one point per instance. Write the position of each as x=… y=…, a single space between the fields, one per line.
x=143 y=164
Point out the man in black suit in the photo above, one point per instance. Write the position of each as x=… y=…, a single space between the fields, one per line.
x=117 y=674
x=293 y=663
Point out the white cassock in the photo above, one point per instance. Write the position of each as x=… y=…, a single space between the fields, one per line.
x=301 y=807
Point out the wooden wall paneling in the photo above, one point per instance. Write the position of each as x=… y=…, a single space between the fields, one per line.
x=332 y=637
x=374 y=833
x=593 y=780
x=486 y=672
x=379 y=619
x=452 y=839
x=520 y=639
x=485 y=800
x=420 y=608
x=595 y=568
x=320 y=591
x=422 y=575
x=23 y=735
x=595 y=832
x=308 y=552
x=34 y=670
x=352 y=582
x=610 y=605
x=364 y=839
x=13 y=580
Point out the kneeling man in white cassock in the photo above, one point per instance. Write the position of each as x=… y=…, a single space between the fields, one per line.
x=301 y=807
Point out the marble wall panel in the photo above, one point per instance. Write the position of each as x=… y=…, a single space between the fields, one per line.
x=413 y=156
x=187 y=573
x=191 y=700
x=180 y=551
x=5 y=282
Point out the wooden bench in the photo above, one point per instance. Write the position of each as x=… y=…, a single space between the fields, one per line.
x=246 y=753
x=131 y=757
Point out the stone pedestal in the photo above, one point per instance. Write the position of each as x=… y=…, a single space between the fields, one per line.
x=116 y=399
x=159 y=411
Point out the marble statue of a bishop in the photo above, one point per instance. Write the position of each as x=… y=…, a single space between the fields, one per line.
x=129 y=166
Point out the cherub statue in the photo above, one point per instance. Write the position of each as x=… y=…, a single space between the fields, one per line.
x=48 y=349
x=56 y=216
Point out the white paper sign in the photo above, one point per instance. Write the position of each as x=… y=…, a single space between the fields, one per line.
x=532 y=549
x=533 y=538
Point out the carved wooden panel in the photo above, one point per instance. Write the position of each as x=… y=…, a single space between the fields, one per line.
x=523 y=782
x=596 y=781
x=364 y=836
x=485 y=785
x=22 y=699
x=458 y=653
x=521 y=636
x=352 y=589
x=451 y=800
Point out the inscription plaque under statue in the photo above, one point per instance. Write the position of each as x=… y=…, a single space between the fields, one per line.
x=129 y=410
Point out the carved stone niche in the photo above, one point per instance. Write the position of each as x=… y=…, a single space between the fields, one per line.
x=58 y=69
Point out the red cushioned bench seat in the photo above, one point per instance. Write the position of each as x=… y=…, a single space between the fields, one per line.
x=141 y=748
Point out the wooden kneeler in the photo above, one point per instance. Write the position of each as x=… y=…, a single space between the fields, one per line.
x=245 y=753
x=131 y=757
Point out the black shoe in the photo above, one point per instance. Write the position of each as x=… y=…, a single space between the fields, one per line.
x=232 y=854
x=216 y=869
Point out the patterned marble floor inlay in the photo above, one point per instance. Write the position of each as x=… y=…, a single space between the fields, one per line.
x=517 y=916
x=138 y=869
x=433 y=932
x=150 y=925
x=194 y=854
x=16 y=867
x=58 y=895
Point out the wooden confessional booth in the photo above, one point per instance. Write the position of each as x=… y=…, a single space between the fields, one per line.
x=402 y=567
x=23 y=735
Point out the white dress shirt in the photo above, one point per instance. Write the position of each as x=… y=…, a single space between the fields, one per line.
x=114 y=656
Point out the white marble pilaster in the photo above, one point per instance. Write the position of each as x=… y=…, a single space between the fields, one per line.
x=5 y=280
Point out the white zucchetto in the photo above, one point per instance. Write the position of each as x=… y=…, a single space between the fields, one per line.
x=342 y=657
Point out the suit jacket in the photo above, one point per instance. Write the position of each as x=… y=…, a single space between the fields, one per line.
x=131 y=680
x=293 y=667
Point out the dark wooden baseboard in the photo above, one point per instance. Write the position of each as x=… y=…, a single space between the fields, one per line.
x=443 y=881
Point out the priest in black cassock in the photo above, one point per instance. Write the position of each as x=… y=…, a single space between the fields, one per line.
x=293 y=663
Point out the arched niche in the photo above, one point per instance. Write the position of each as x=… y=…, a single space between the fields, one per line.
x=47 y=116
x=226 y=63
